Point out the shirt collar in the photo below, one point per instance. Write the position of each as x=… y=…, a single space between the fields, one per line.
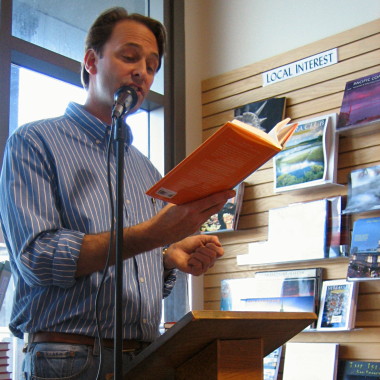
x=92 y=126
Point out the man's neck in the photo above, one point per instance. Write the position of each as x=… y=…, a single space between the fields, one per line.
x=103 y=113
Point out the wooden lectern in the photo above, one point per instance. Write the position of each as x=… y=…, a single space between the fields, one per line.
x=217 y=345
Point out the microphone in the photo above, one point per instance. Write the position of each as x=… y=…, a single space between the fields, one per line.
x=125 y=99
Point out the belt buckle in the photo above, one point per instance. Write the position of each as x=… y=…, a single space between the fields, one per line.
x=129 y=350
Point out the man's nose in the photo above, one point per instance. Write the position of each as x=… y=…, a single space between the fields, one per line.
x=139 y=72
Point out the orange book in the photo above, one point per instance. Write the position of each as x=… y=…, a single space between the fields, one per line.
x=225 y=159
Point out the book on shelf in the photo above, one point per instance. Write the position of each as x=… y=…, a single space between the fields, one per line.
x=338 y=233
x=299 y=231
x=5 y=276
x=364 y=262
x=310 y=156
x=360 y=109
x=224 y=160
x=271 y=364
x=263 y=114
x=272 y=294
x=316 y=361
x=338 y=305
x=296 y=232
x=295 y=279
x=227 y=218
x=358 y=370
x=363 y=190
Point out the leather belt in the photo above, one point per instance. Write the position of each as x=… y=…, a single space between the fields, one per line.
x=54 y=337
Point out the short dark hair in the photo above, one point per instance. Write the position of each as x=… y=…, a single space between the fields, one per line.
x=103 y=26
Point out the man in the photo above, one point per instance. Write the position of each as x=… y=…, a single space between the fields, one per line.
x=55 y=217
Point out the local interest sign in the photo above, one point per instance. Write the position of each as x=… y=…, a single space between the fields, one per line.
x=300 y=67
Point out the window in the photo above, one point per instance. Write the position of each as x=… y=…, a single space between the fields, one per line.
x=53 y=98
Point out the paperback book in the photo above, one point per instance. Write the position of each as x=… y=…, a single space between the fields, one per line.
x=338 y=233
x=364 y=263
x=358 y=370
x=310 y=156
x=360 y=108
x=224 y=160
x=311 y=361
x=294 y=278
x=338 y=305
x=272 y=364
x=299 y=231
x=272 y=294
x=296 y=232
x=262 y=114
x=363 y=190
x=227 y=218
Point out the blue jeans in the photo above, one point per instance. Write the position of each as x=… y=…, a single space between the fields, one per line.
x=68 y=361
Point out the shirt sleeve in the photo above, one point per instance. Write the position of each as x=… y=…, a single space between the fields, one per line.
x=44 y=251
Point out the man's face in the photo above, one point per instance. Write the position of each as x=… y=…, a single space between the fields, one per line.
x=129 y=58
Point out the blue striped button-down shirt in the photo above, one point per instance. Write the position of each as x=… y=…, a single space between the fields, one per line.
x=53 y=191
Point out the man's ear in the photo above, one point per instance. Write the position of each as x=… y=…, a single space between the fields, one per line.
x=90 y=61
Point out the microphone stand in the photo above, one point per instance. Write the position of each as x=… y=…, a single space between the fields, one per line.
x=119 y=138
x=125 y=99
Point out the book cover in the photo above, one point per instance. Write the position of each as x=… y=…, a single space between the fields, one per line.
x=338 y=305
x=364 y=264
x=338 y=233
x=272 y=364
x=298 y=231
x=311 y=273
x=224 y=160
x=311 y=361
x=310 y=156
x=361 y=102
x=363 y=190
x=262 y=114
x=358 y=370
x=228 y=217
x=273 y=294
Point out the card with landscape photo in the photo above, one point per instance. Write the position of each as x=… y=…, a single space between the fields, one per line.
x=310 y=156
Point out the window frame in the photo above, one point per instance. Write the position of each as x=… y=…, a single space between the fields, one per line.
x=36 y=58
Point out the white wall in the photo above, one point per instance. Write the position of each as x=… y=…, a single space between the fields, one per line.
x=223 y=35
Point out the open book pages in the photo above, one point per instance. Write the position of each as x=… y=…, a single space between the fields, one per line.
x=277 y=136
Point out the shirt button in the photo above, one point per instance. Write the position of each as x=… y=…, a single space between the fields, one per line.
x=144 y=320
x=142 y=279
x=97 y=141
x=127 y=201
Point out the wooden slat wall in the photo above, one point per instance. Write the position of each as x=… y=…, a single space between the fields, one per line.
x=316 y=93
